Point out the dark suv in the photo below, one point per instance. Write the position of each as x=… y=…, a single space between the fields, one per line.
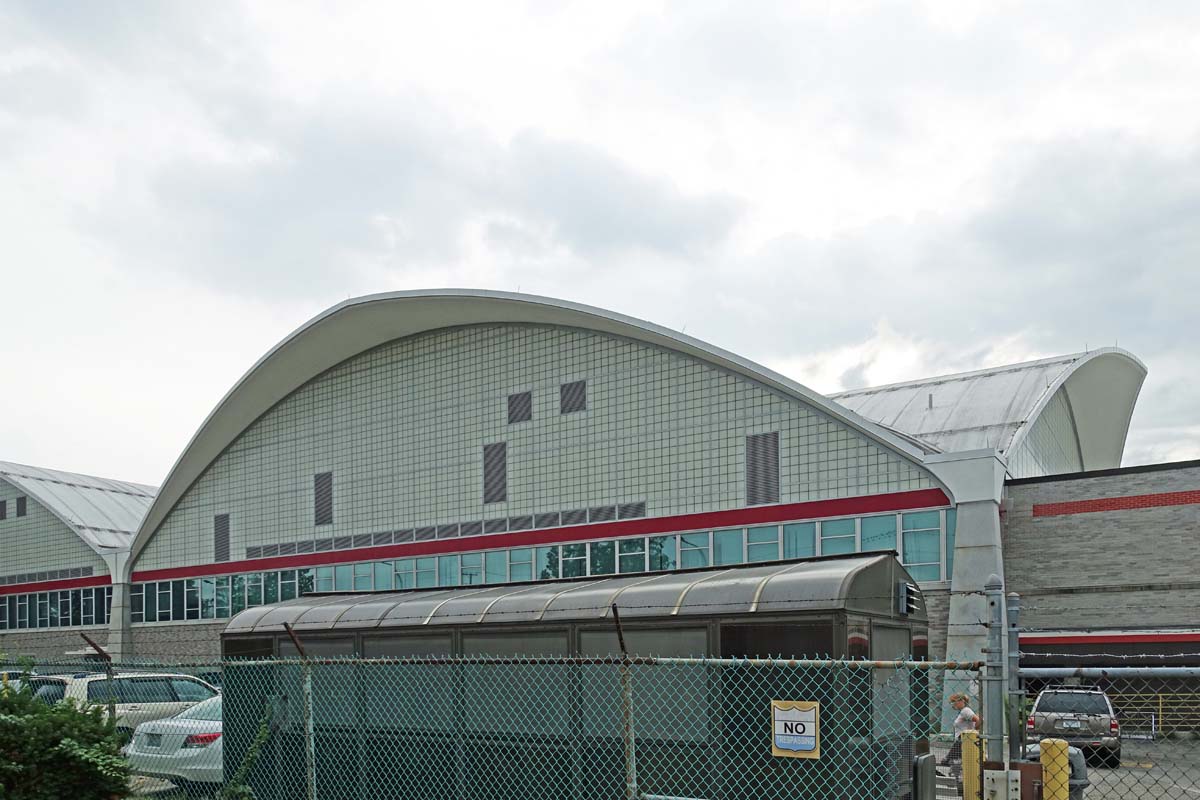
x=1083 y=717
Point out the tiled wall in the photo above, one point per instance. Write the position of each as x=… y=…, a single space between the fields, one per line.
x=39 y=541
x=402 y=428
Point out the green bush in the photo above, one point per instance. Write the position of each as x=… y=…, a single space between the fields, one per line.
x=59 y=751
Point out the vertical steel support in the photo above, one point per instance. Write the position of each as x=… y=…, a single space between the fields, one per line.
x=306 y=693
x=631 y=780
x=1016 y=696
x=994 y=683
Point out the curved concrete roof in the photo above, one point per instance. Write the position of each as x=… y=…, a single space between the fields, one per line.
x=861 y=582
x=104 y=513
x=362 y=323
x=995 y=408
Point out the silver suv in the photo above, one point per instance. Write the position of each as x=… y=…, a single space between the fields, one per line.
x=1083 y=717
x=137 y=696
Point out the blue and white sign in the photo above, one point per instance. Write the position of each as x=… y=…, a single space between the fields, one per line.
x=795 y=729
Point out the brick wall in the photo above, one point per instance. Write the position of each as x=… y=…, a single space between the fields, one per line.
x=178 y=642
x=1114 y=549
x=937 y=605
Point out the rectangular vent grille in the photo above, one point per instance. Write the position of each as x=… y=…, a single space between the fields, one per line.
x=305 y=546
x=221 y=537
x=576 y=516
x=447 y=531
x=470 y=529
x=3 y=509
x=546 y=520
x=762 y=468
x=322 y=545
x=269 y=550
x=21 y=506
x=425 y=534
x=343 y=542
x=400 y=537
x=520 y=523
x=254 y=551
x=323 y=498
x=520 y=407
x=362 y=540
x=495 y=472
x=572 y=397
x=602 y=514
x=287 y=549
x=381 y=537
x=631 y=510
x=495 y=525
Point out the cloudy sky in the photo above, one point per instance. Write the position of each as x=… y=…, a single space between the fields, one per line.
x=851 y=193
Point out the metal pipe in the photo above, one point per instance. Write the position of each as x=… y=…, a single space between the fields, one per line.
x=1110 y=672
x=631 y=780
x=1016 y=697
x=306 y=693
x=994 y=683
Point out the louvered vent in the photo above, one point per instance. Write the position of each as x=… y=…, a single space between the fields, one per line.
x=602 y=514
x=323 y=498
x=762 y=468
x=520 y=407
x=362 y=540
x=305 y=546
x=572 y=397
x=269 y=550
x=254 y=551
x=495 y=525
x=447 y=531
x=425 y=533
x=322 y=545
x=221 y=537
x=520 y=523
x=343 y=542
x=495 y=472
x=576 y=516
x=631 y=510
x=400 y=537
x=381 y=537
x=546 y=520
x=470 y=529
x=287 y=549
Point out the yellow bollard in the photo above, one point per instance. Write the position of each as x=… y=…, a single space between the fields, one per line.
x=1056 y=770
x=971 y=756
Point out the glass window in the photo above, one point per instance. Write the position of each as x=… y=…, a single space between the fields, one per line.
x=546 y=565
x=178 y=600
x=305 y=579
x=447 y=570
x=472 y=568
x=426 y=572
x=363 y=575
x=145 y=690
x=693 y=550
x=495 y=567
x=222 y=604
x=603 y=558
x=324 y=579
x=799 y=540
x=631 y=555
x=837 y=537
x=192 y=597
x=951 y=522
x=727 y=547
x=921 y=520
x=191 y=691
x=208 y=598
x=287 y=584
x=383 y=576
x=164 y=601
x=879 y=533
x=574 y=560
x=270 y=587
x=343 y=578
x=520 y=564
x=237 y=595
x=402 y=569
x=254 y=593
x=76 y=607
x=762 y=544
x=209 y=710
x=922 y=540
x=53 y=609
x=662 y=553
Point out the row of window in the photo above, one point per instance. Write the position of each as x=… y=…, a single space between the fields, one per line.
x=924 y=539
x=22 y=507
x=57 y=609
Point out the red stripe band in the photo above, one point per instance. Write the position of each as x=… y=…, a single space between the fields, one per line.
x=847 y=506
x=1112 y=638
x=49 y=586
x=1127 y=503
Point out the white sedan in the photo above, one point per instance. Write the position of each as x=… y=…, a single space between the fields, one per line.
x=184 y=749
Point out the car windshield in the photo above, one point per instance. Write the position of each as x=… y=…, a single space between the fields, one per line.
x=1072 y=703
x=209 y=710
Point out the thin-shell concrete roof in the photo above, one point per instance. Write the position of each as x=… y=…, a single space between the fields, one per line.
x=862 y=582
x=994 y=408
x=105 y=513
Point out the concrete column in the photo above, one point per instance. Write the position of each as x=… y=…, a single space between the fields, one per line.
x=120 y=629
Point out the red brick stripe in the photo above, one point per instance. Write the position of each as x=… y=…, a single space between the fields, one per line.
x=1117 y=503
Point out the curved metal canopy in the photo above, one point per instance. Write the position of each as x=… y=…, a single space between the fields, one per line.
x=359 y=324
x=861 y=583
x=104 y=513
x=996 y=408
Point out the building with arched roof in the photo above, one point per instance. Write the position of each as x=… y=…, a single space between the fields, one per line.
x=441 y=438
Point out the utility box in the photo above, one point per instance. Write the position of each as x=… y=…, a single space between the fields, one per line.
x=999 y=784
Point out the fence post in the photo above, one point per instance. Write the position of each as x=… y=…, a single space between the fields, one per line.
x=972 y=765
x=631 y=781
x=993 y=717
x=108 y=672
x=306 y=695
x=1016 y=696
x=1056 y=770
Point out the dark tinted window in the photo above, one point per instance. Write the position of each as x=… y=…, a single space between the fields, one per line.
x=572 y=397
x=190 y=691
x=323 y=498
x=520 y=407
x=3 y=509
x=208 y=710
x=21 y=506
x=777 y=640
x=49 y=692
x=145 y=690
x=1071 y=703
x=103 y=690
x=495 y=473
